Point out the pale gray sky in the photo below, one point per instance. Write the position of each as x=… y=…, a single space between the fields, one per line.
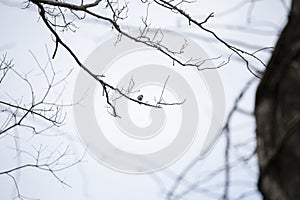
x=21 y=30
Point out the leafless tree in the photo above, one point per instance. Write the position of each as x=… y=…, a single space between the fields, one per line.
x=34 y=114
x=277 y=130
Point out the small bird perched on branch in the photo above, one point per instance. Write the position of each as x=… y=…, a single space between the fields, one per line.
x=140 y=97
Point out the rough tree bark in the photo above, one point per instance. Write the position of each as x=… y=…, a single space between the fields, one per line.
x=277 y=113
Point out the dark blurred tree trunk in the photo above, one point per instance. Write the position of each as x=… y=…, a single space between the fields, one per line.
x=277 y=113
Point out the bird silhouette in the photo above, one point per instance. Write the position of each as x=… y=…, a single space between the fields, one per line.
x=140 y=97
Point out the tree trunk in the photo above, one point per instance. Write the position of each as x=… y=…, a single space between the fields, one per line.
x=277 y=112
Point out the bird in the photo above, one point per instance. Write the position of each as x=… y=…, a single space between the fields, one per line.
x=140 y=97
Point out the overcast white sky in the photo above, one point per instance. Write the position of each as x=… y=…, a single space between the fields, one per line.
x=21 y=31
